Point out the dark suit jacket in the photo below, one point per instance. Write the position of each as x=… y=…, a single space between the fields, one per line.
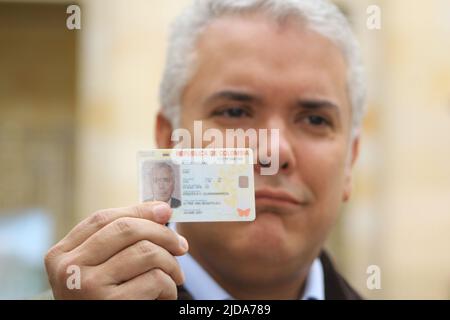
x=174 y=202
x=336 y=288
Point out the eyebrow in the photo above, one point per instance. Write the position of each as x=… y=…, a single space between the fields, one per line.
x=234 y=96
x=315 y=104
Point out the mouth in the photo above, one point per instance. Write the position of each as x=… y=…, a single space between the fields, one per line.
x=276 y=197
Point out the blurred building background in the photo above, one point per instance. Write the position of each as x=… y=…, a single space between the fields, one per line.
x=76 y=105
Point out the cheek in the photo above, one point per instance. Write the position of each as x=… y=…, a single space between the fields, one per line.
x=186 y=122
x=322 y=168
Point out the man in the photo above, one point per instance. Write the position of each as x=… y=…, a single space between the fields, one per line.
x=290 y=65
x=163 y=181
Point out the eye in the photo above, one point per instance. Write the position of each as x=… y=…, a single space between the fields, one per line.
x=317 y=120
x=232 y=112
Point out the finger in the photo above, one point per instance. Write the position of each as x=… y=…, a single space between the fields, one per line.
x=155 y=211
x=154 y=284
x=125 y=232
x=139 y=258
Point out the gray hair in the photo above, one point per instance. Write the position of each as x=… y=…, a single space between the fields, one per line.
x=320 y=16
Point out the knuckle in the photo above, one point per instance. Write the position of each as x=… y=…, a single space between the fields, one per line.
x=51 y=254
x=123 y=226
x=99 y=218
x=146 y=247
x=159 y=277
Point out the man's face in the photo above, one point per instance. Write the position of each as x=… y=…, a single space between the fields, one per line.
x=254 y=73
x=162 y=184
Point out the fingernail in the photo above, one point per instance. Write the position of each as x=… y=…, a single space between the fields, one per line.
x=183 y=242
x=161 y=211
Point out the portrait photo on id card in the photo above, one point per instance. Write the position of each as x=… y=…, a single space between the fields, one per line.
x=161 y=182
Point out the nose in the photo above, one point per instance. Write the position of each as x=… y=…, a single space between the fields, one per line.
x=278 y=150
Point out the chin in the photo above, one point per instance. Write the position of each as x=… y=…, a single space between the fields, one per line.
x=267 y=239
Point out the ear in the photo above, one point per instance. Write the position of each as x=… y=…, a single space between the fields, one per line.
x=349 y=168
x=163 y=132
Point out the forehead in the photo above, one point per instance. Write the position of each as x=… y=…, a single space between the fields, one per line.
x=160 y=170
x=269 y=55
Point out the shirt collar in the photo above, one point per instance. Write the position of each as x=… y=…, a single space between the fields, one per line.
x=198 y=282
x=315 y=286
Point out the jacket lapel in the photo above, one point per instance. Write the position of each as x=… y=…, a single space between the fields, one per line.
x=336 y=288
